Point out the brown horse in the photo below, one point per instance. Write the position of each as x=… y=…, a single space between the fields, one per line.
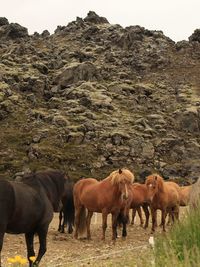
x=107 y=196
x=163 y=196
x=194 y=195
x=185 y=195
x=27 y=207
x=139 y=198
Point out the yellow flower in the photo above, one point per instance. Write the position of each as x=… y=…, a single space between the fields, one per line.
x=12 y=260
x=32 y=258
x=23 y=261
x=18 y=258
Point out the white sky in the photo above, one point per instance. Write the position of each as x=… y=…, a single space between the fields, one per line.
x=176 y=18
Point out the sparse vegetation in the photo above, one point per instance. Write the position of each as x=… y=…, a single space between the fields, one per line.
x=181 y=246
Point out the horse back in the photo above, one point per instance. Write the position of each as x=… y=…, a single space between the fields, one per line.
x=139 y=194
x=173 y=193
x=94 y=195
x=84 y=184
x=185 y=195
x=173 y=184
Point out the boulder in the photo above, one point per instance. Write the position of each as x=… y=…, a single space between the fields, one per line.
x=92 y=17
x=3 y=21
x=195 y=37
x=13 y=31
x=85 y=71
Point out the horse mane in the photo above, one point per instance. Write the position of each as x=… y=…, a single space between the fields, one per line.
x=121 y=175
x=30 y=179
x=52 y=181
x=160 y=182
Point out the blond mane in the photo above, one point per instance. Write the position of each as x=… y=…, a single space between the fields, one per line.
x=156 y=177
x=121 y=175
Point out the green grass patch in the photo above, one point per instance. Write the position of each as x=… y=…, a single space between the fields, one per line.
x=181 y=247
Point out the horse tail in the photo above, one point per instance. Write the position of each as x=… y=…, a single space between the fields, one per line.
x=82 y=221
x=69 y=212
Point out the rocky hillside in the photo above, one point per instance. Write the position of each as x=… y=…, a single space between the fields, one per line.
x=94 y=96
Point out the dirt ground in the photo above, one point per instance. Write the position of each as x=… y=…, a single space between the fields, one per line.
x=64 y=251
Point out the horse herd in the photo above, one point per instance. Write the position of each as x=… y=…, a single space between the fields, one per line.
x=27 y=206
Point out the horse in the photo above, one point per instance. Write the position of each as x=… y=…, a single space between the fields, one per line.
x=185 y=195
x=66 y=215
x=27 y=207
x=139 y=198
x=163 y=196
x=107 y=196
x=194 y=196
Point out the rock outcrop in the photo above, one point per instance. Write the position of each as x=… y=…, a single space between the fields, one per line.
x=93 y=97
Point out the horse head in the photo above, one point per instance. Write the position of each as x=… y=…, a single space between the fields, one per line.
x=154 y=184
x=53 y=183
x=123 y=178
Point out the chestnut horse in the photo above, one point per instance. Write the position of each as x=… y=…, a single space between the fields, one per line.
x=107 y=196
x=163 y=196
x=185 y=195
x=139 y=198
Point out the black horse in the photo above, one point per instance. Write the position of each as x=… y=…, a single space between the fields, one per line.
x=28 y=206
x=67 y=213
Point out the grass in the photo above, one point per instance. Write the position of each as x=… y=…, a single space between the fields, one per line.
x=181 y=247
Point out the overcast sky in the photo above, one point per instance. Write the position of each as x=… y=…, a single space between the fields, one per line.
x=176 y=18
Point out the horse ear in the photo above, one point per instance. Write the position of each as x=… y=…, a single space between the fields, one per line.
x=120 y=171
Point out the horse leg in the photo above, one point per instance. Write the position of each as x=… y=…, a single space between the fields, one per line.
x=42 y=234
x=163 y=217
x=170 y=218
x=156 y=221
x=139 y=211
x=114 y=226
x=146 y=212
x=30 y=249
x=124 y=224
x=77 y=221
x=153 y=215
x=63 y=222
x=176 y=213
x=167 y=213
x=88 y=221
x=1 y=244
x=60 y=219
x=70 y=228
x=61 y=227
x=104 y=223
x=133 y=215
